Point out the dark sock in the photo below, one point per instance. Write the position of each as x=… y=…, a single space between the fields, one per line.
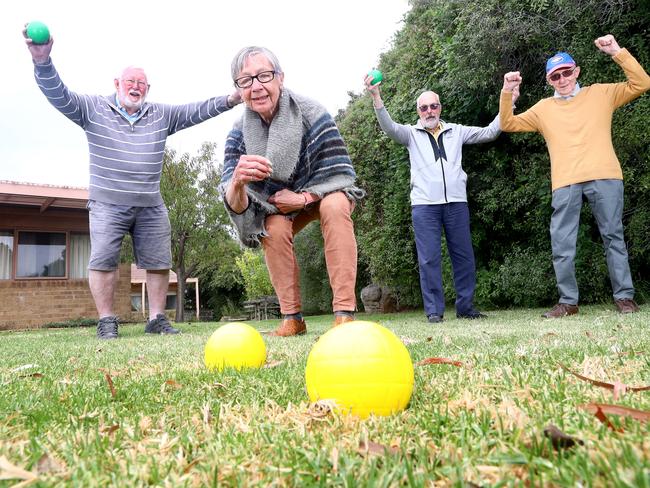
x=346 y=313
x=294 y=316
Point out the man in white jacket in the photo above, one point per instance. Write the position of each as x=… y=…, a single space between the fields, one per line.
x=438 y=197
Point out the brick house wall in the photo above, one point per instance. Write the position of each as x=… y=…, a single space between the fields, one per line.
x=28 y=304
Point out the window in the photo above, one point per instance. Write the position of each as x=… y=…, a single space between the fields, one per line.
x=41 y=254
x=79 y=256
x=136 y=302
x=6 y=255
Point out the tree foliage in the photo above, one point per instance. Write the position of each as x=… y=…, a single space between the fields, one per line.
x=202 y=242
x=461 y=49
x=254 y=274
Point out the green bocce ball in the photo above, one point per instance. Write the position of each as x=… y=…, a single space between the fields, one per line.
x=38 y=32
x=376 y=75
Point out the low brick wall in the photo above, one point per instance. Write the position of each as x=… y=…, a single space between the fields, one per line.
x=30 y=304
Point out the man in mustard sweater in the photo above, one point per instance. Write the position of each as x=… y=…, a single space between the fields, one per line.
x=576 y=124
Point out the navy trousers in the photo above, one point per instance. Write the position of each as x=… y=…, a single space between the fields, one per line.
x=428 y=224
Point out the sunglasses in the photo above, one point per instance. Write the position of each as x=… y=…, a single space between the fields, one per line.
x=566 y=73
x=432 y=106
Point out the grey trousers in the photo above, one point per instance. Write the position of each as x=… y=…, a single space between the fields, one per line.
x=605 y=198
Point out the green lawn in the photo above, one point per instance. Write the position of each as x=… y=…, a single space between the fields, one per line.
x=167 y=421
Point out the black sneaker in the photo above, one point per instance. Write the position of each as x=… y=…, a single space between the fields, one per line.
x=107 y=327
x=434 y=318
x=471 y=315
x=160 y=325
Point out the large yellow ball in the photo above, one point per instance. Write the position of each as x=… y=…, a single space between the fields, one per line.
x=363 y=367
x=235 y=345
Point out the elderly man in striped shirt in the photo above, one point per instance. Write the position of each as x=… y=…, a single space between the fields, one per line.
x=126 y=140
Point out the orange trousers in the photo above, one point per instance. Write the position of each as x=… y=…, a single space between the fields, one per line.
x=334 y=212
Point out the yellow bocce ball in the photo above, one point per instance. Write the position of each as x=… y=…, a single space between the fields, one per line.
x=235 y=345
x=363 y=367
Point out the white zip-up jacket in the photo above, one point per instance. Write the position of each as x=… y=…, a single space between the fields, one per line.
x=437 y=174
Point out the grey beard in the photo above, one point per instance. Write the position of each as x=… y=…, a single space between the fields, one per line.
x=431 y=124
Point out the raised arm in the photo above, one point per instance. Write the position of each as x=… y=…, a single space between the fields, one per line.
x=65 y=101
x=525 y=122
x=638 y=80
x=397 y=132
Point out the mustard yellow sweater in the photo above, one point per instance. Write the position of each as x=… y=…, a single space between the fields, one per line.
x=578 y=131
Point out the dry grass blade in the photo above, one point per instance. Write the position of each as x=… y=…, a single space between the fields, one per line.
x=9 y=471
x=189 y=467
x=436 y=360
x=334 y=458
x=110 y=384
x=559 y=439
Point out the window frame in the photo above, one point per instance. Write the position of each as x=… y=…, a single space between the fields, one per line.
x=47 y=278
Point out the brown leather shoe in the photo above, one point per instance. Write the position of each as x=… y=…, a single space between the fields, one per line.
x=626 y=305
x=561 y=310
x=290 y=327
x=342 y=319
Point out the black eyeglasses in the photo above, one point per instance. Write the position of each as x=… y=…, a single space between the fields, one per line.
x=432 y=106
x=566 y=73
x=262 y=77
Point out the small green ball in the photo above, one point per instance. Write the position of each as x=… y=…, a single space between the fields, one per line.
x=376 y=75
x=38 y=32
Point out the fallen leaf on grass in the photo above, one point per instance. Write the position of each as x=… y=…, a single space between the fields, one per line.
x=600 y=410
x=559 y=439
x=370 y=448
x=321 y=408
x=32 y=375
x=109 y=429
x=435 y=360
x=110 y=384
x=9 y=471
x=617 y=387
x=170 y=384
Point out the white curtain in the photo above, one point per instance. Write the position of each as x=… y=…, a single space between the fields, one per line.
x=6 y=255
x=79 y=256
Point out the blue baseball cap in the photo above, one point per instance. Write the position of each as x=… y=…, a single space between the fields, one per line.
x=559 y=60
